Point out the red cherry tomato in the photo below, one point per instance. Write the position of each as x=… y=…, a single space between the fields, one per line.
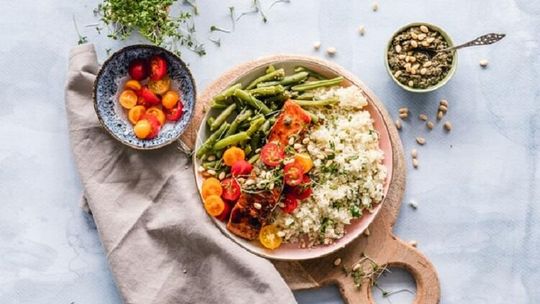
x=158 y=68
x=138 y=70
x=224 y=215
x=149 y=97
x=303 y=190
x=272 y=154
x=241 y=167
x=291 y=203
x=293 y=174
x=154 y=122
x=231 y=189
x=175 y=113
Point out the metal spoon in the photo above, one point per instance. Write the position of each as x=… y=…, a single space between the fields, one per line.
x=482 y=40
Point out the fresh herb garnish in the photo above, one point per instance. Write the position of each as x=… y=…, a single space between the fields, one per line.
x=82 y=39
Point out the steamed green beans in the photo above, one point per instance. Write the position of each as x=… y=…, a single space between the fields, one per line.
x=223 y=96
x=220 y=119
x=240 y=118
x=277 y=74
x=267 y=91
x=209 y=143
x=252 y=101
x=317 y=84
x=295 y=78
x=231 y=140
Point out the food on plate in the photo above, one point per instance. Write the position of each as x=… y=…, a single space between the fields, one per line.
x=411 y=62
x=297 y=155
x=150 y=97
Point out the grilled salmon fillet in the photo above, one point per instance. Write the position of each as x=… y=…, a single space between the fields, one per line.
x=246 y=220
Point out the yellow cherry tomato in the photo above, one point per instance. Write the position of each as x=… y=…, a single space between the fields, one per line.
x=232 y=155
x=269 y=238
x=304 y=160
x=214 y=205
x=211 y=186
x=157 y=113
x=170 y=99
x=136 y=113
x=142 y=128
x=161 y=86
x=128 y=99
x=133 y=85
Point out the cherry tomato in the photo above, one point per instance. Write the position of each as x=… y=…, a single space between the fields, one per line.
x=149 y=97
x=128 y=99
x=224 y=215
x=232 y=155
x=291 y=203
x=175 y=113
x=161 y=86
x=214 y=205
x=211 y=186
x=231 y=189
x=304 y=160
x=133 y=85
x=302 y=191
x=138 y=69
x=142 y=129
x=269 y=238
x=272 y=154
x=158 y=67
x=156 y=112
x=241 y=167
x=293 y=174
x=136 y=113
x=170 y=99
x=154 y=123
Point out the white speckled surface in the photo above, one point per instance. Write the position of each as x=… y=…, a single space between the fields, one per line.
x=477 y=188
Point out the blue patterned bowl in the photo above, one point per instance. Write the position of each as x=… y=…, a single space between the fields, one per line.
x=108 y=85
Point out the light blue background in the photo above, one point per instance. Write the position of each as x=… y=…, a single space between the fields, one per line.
x=477 y=187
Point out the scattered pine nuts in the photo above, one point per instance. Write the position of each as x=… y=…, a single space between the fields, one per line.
x=317 y=45
x=423 y=117
x=404 y=109
x=257 y=206
x=221 y=175
x=361 y=30
x=403 y=115
x=201 y=169
x=331 y=51
x=375 y=6
x=413 y=204
x=440 y=115
x=414 y=153
x=398 y=124
x=211 y=158
x=413 y=243
x=410 y=83
x=444 y=102
x=483 y=63
x=367 y=232
x=443 y=108
x=415 y=163
x=447 y=126
x=356 y=267
x=429 y=125
x=424 y=29
x=337 y=262
x=211 y=172
x=420 y=140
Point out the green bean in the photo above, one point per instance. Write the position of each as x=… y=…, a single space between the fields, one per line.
x=247 y=150
x=271 y=68
x=210 y=121
x=218 y=105
x=277 y=98
x=231 y=140
x=317 y=103
x=311 y=72
x=244 y=115
x=253 y=159
x=210 y=164
x=277 y=74
x=211 y=140
x=255 y=141
x=265 y=128
x=268 y=84
x=252 y=101
x=314 y=118
x=267 y=91
x=295 y=78
x=255 y=125
x=317 y=84
x=223 y=96
x=222 y=117
x=305 y=96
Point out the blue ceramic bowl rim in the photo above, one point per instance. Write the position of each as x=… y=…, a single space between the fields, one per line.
x=152 y=47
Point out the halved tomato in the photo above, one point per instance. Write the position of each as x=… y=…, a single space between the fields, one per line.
x=291 y=203
x=269 y=238
x=224 y=216
x=214 y=205
x=170 y=99
x=128 y=99
x=142 y=129
x=301 y=191
x=158 y=67
x=241 y=167
x=155 y=125
x=133 y=85
x=155 y=111
x=272 y=154
x=138 y=69
x=136 y=113
x=161 y=86
x=293 y=174
x=149 y=97
x=231 y=189
x=175 y=113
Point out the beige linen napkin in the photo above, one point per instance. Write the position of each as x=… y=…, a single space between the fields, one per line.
x=161 y=246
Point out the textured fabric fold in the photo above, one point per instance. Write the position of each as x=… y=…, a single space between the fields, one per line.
x=161 y=246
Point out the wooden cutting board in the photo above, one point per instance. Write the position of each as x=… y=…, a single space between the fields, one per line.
x=382 y=246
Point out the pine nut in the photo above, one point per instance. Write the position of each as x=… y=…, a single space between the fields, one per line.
x=414 y=153
x=398 y=124
x=201 y=169
x=356 y=267
x=331 y=51
x=414 y=44
x=440 y=115
x=404 y=109
x=211 y=158
x=421 y=36
x=421 y=140
x=483 y=63
x=427 y=64
x=367 y=232
x=413 y=204
x=398 y=48
x=424 y=29
x=423 y=117
x=257 y=206
x=411 y=83
x=443 y=108
x=337 y=262
x=403 y=115
x=211 y=172
x=317 y=45
x=414 y=35
x=444 y=102
x=221 y=175
x=361 y=30
x=429 y=125
x=447 y=126
x=397 y=74
x=375 y=6
x=413 y=243
x=415 y=163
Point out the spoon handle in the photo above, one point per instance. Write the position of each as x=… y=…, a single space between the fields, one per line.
x=482 y=40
